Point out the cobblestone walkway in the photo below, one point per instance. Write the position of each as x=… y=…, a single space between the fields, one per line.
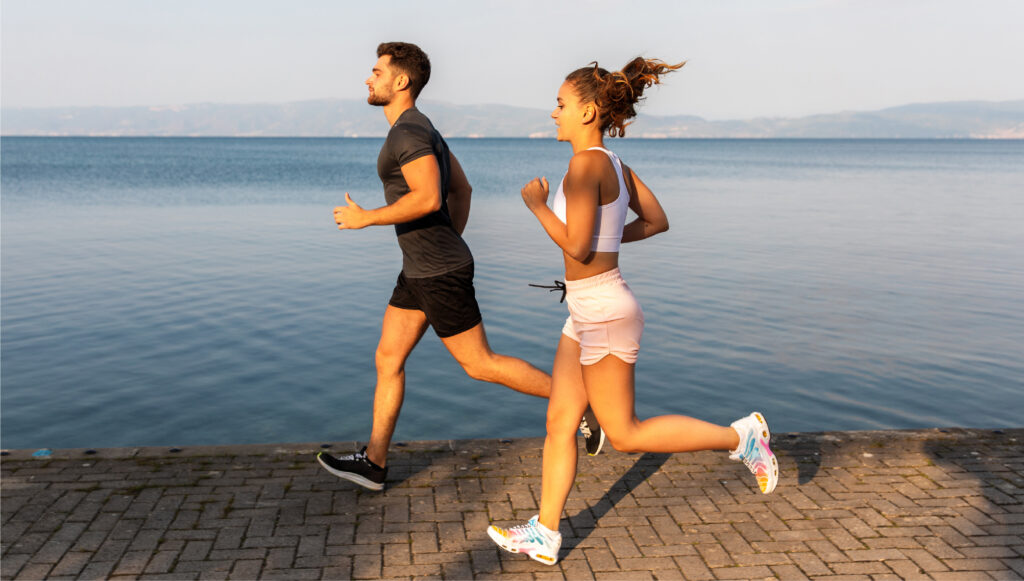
x=923 y=504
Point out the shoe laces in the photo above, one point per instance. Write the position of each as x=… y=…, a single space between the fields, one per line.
x=527 y=527
x=530 y=531
x=585 y=428
x=751 y=455
x=355 y=457
x=751 y=462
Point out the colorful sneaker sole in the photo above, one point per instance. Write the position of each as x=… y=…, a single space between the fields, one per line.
x=767 y=468
x=499 y=537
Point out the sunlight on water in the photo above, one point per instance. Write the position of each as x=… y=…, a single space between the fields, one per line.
x=177 y=291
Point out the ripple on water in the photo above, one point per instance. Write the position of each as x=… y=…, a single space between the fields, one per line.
x=831 y=285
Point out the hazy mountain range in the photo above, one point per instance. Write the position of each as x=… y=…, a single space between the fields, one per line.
x=354 y=118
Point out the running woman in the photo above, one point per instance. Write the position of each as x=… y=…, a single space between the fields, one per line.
x=428 y=199
x=600 y=341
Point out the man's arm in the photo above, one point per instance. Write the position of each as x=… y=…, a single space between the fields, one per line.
x=424 y=197
x=459 y=195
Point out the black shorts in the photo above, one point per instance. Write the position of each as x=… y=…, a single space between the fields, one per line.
x=448 y=300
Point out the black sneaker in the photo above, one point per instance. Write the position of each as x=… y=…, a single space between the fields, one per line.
x=592 y=432
x=356 y=467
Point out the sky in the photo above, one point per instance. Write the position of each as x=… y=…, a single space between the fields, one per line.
x=756 y=58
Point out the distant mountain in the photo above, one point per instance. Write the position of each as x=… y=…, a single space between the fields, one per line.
x=963 y=120
x=353 y=118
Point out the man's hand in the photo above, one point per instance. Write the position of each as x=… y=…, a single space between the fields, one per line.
x=535 y=193
x=350 y=217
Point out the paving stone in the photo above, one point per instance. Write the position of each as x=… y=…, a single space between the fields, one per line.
x=132 y=563
x=810 y=564
x=97 y=570
x=975 y=564
x=246 y=569
x=71 y=564
x=920 y=507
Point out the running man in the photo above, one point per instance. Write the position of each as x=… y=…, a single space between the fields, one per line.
x=428 y=199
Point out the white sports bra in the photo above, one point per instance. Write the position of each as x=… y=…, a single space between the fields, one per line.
x=610 y=218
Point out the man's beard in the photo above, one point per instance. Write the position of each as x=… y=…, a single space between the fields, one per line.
x=378 y=100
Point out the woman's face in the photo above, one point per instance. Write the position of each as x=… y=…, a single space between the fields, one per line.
x=570 y=113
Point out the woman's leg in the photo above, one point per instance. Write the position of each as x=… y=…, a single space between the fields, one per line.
x=609 y=385
x=565 y=408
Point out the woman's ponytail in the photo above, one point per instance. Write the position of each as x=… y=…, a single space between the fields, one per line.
x=617 y=93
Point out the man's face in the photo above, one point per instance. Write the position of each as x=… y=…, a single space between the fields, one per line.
x=381 y=82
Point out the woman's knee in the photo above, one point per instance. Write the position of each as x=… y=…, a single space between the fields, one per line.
x=563 y=420
x=622 y=440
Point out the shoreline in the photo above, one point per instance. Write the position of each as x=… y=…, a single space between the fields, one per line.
x=122 y=452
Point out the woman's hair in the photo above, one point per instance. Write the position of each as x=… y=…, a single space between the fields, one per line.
x=615 y=94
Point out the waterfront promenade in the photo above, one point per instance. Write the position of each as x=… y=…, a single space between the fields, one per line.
x=918 y=504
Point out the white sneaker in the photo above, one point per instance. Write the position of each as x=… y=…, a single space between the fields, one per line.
x=532 y=538
x=754 y=451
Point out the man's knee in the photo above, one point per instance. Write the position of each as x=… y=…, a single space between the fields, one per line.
x=478 y=361
x=481 y=368
x=389 y=361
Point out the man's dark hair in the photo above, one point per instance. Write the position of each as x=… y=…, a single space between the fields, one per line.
x=410 y=60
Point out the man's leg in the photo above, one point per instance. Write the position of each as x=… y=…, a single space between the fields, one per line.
x=471 y=350
x=401 y=330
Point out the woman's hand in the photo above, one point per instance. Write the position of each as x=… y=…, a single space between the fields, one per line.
x=535 y=193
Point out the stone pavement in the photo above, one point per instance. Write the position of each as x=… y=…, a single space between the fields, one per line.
x=922 y=504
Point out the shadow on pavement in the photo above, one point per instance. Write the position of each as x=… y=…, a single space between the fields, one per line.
x=988 y=459
x=804 y=449
x=585 y=520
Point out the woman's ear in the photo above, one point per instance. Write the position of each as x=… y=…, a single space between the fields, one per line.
x=589 y=113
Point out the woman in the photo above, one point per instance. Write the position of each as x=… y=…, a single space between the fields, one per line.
x=601 y=339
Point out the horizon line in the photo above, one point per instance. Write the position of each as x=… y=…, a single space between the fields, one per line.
x=183 y=106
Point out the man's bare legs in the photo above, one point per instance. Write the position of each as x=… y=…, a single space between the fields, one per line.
x=401 y=331
x=471 y=350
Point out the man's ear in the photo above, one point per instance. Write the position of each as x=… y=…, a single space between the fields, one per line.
x=401 y=82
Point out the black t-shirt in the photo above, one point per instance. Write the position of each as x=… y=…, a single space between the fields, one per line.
x=430 y=245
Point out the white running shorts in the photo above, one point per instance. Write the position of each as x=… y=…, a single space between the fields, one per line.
x=604 y=317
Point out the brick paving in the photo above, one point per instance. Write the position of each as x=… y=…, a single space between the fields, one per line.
x=918 y=504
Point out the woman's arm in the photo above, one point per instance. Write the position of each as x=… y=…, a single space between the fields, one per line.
x=581 y=189
x=651 y=218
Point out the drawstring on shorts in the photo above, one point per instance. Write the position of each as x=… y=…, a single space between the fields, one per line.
x=558 y=286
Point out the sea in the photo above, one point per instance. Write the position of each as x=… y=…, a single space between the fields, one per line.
x=192 y=291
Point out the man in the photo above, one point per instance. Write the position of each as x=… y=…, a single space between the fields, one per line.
x=428 y=199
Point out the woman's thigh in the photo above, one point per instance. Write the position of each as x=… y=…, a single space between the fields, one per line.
x=609 y=386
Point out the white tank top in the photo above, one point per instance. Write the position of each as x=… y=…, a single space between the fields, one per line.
x=610 y=218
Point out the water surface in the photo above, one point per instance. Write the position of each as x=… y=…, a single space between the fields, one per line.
x=195 y=291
